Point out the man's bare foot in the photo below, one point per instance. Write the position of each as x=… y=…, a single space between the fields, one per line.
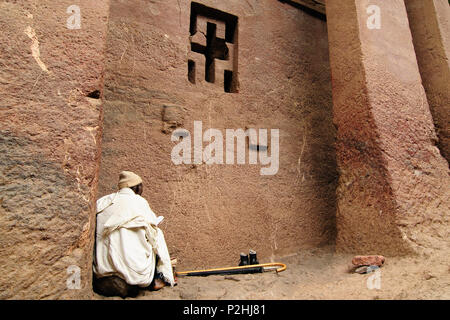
x=158 y=284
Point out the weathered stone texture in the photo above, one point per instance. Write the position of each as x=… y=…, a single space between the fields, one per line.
x=213 y=212
x=393 y=191
x=49 y=145
x=429 y=21
x=393 y=194
x=368 y=261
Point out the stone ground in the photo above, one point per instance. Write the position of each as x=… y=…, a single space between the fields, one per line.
x=320 y=274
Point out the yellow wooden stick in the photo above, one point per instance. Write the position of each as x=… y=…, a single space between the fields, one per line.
x=262 y=265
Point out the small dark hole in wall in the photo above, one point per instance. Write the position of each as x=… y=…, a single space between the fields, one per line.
x=181 y=134
x=257 y=147
x=191 y=71
x=94 y=94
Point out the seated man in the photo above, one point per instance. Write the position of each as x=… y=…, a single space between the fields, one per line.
x=130 y=250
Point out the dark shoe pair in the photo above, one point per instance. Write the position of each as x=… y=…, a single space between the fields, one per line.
x=249 y=259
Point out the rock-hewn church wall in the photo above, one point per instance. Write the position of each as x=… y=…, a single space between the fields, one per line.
x=94 y=88
x=278 y=78
x=49 y=145
x=393 y=192
x=429 y=21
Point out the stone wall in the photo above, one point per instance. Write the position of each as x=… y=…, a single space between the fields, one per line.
x=147 y=62
x=429 y=21
x=281 y=80
x=393 y=194
x=49 y=145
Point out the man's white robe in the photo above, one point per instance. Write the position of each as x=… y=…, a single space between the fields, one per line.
x=128 y=240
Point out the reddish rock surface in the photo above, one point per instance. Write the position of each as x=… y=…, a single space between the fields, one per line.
x=49 y=145
x=430 y=27
x=393 y=193
x=368 y=261
x=214 y=212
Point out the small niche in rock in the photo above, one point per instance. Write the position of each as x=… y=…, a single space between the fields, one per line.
x=94 y=94
x=257 y=147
